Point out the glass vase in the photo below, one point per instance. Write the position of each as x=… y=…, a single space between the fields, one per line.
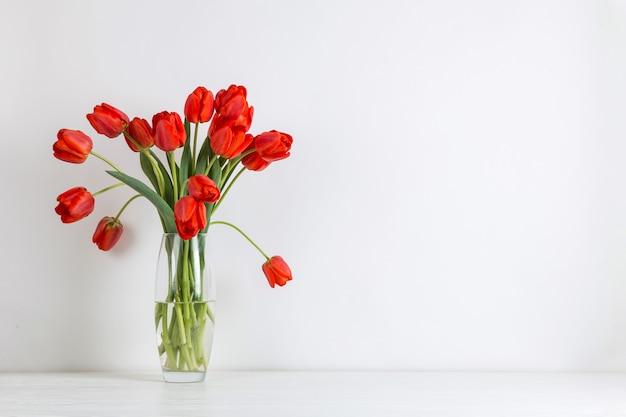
x=185 y=301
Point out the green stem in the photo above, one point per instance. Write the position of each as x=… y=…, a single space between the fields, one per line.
x=181 y=323
x=167 y=344
x=155 y=167
x=193 y=155
x=185 y=284
x=227 y=189
x=119 y=184
x=211 y=162
x=231 y=166
x=243 y=234
x=210 y=314
x=126 y=205
x=172 y=162
x=105 y=160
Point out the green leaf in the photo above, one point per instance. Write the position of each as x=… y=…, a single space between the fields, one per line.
x=174 y=169
x=169 y=185
x=187 y=129
x=165 y=211
x=228 y=170
x=216 y=173
x=148 y=169
x=203 y=157
x=185 y=167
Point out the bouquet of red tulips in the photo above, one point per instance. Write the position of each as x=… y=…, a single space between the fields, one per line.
x=190 y=183
x=188 y=193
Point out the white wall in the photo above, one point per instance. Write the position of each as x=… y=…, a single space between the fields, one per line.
x=455 y=199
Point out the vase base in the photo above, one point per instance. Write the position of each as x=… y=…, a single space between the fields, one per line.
x=183 y=376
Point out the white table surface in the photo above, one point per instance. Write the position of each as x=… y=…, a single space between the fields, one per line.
x=319 y=394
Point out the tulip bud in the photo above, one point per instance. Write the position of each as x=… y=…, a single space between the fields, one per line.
x=169 y=131
x=139 y=131
x=203 y=188
x=107 y=120
x=230 y=103
x=75 y=204
x=227 y=140
x=108 y=232
x=273 y=145
x=277 y=271
x=189 y=216
x=72 y=146
x=199 y=106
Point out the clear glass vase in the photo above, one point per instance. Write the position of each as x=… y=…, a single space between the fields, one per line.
x=185 y=301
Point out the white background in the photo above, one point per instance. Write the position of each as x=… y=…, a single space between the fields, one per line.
x=455 y=199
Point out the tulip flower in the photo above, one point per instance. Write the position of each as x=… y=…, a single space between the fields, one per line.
x=199 y=106
x=242 y=119
x=203 y=189
x=140 y=132
x=277 y=271
x=108 y=232
x=232 y=120
x=229 y=142
x=107 y=120
x=169 y=131
x=230 y=103
x=189 y=216
x=72 y=146
x=75 y=204
x=273 y=145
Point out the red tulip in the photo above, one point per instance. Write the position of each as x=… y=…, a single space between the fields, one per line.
x=253 y=161
x=242 y=120
x=199 y=106
x=141 y=132
x=189 y=216
x=75 y=204
x=273 y=145
x=230 y=103
x=72 y=146
x=232 y=120
x=107 y=120
x=108 y=232
x=203 y=189
x=277 y=271
x=169 y=131
x=229 y=141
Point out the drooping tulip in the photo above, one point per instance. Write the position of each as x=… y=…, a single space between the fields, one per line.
x=189 y=216
x=199 y=106
x=277 y=271
x=72 y=146
x=139 y=131
x=108 y=232
x=273 y=145
x=75 y=204
x=203 y=189
x=107 y=120
x=168 y=130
